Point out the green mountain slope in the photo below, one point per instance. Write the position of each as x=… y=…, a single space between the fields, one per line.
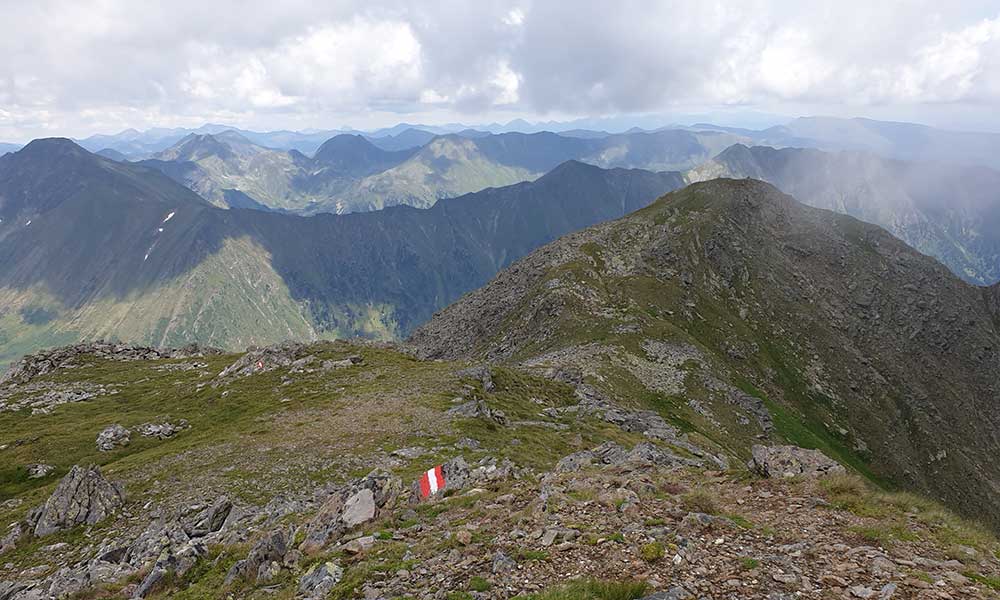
x=949 y=212
x=729 y=297
x=116 y=250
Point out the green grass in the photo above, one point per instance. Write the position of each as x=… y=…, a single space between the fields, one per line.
x=527 y=555
x=991 y=582
x=701 y=500
x=480 y=584
x=652 y=552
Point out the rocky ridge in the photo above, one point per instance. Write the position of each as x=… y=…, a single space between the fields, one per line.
x=734 y=304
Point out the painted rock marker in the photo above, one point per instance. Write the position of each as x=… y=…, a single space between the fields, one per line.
x=431 y=482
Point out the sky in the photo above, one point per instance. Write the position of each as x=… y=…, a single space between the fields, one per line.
x=77 y=67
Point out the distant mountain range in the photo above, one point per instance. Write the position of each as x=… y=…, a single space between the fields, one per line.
x=350 y=173
x=948 y=211
x=90 y=248
x=95 y=246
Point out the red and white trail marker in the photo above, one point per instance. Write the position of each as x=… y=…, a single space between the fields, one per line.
x=431 y=482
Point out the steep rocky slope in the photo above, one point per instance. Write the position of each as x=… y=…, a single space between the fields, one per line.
x=748 y=315
x=294 y=472
x=116 y=250
x=947 y=211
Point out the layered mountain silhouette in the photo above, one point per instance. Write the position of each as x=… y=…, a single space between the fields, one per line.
x=350 y=173
x=109 y=249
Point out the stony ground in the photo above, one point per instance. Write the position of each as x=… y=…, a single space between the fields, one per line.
x=290 y=472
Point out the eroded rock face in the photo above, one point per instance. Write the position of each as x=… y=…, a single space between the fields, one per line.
x=359 y=502
x=83 y=497
x=791 y=461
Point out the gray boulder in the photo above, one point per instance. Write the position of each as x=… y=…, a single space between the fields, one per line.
x=83 y=497
x=162 y=430
x=359 y=502
x=792 y=461
x=483 y=373
x=265 y=558
x=38 y=471
x=320 y=580
x=477 y=408
x=261 y=360
x=113 y=436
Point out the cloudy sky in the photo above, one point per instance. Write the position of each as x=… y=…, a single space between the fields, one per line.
x=75 y=67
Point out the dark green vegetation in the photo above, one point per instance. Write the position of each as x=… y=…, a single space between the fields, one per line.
x=728 y=301
x=948 y=211
x=116 y=250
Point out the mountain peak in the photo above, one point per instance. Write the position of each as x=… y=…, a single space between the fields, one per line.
x=355 y=155
x=53 y=146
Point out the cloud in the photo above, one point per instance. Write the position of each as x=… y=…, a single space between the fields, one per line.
x=74 y=66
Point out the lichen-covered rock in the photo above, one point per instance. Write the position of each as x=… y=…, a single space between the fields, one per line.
x=83 y=497
x=320 y=580
x=791 y=461
x=361 y=501
x=113 y=436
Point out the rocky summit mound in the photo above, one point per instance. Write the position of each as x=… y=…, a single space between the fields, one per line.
x=385 y=476
x=745 y=315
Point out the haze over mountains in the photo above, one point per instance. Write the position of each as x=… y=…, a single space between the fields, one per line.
x=948 y=211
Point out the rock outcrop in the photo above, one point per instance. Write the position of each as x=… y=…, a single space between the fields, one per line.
x=41 y=363
x=359 y=502
x=113 y=436
x=261 y=360
x=83 y=497
x=792 y=461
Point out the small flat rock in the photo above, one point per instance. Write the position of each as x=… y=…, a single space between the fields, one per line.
x=359 y=508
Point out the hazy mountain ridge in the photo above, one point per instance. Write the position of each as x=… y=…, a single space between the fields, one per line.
x=948 y=211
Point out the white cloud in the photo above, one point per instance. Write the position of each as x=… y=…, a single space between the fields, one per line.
x=72 y=67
